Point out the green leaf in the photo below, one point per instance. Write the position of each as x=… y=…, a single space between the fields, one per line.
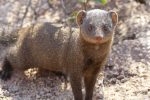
x=74 y=13
x=102 y=1
x=82 y=1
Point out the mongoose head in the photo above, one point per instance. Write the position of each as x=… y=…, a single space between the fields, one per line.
x=97 y=26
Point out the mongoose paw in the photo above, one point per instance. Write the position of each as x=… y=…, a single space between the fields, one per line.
x=6 y=72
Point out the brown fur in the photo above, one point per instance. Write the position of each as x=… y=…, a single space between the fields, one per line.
x=53 y=48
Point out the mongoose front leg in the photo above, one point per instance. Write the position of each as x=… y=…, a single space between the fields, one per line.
x=89 y=81
x=76 y=84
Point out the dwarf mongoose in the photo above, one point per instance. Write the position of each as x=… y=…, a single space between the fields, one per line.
x=80 y=54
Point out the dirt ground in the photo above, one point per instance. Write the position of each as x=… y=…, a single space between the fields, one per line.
x=127 y=73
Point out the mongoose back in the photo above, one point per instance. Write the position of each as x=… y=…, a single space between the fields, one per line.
x=80 y=55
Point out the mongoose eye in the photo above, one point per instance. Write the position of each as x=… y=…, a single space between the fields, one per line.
x=105 y=28
x=90 y=27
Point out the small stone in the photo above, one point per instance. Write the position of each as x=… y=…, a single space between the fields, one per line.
x=144 y=92
x=100 y=97
x=123 y=80
x=113 y=81
x=41 y=92
x=37 y=96
x=120 y=77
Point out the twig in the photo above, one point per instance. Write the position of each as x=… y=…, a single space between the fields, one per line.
x=63 y=6
x=66 y=16
x=26 y=11
x=85 y=4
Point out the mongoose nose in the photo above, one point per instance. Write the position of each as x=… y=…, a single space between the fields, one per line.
x=98 y=38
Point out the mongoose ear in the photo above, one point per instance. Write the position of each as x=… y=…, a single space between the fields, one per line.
x=114 y=17
x=80 y=16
